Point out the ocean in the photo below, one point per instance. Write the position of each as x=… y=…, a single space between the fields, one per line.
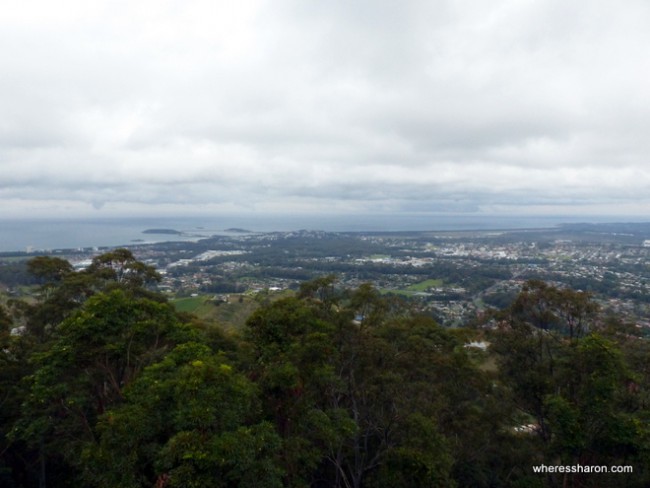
x=48 y=234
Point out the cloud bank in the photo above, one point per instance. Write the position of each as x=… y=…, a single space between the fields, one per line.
x=289 y=106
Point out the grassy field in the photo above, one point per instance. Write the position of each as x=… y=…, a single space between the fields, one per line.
x=414 y=289
x=231 y=315
x=190 y=304
x=404 y=293
x=424 y=285
x=235 y=313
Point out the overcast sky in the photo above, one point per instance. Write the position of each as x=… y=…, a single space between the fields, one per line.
x=168 y=107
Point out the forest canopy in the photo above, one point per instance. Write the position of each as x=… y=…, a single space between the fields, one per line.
x=104 y=384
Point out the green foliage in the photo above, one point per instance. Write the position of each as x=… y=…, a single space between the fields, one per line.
x=548 y=308
x=369 y=401
x=425 y=285
x=189 y=304
x=423 y=459
x=13 y=367
x=48 y=269
x=189 y=420
x=575 y=383
x=321 y=289
x=63 y=290
x=291 y=363
x=121 y=266
x=327 y=388
x=95 y=355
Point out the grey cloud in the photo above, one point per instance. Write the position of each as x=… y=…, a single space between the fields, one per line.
x=461 y=106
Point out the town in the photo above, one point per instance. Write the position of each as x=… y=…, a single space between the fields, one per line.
x=453 y=276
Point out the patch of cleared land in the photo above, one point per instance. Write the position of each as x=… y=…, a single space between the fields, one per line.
x=425 y=285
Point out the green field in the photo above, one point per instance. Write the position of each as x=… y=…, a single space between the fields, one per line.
x=424 y=285
x=404 y=293
x=195 y=305
x=232 y=314
x=414 y=289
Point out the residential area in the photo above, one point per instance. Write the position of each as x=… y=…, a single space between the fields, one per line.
x=454 y=276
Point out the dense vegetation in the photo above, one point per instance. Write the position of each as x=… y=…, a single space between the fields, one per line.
x=104 y=384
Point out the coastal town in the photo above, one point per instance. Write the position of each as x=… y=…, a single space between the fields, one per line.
x=454 y=276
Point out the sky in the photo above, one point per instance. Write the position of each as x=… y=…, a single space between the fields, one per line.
x=165 y=107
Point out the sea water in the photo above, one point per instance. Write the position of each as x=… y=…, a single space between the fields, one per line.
x=48 y=234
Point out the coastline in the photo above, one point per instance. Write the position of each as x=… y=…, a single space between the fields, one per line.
x=31 y=235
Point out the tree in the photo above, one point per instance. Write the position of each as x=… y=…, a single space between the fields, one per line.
x=321 y=289
x=189 y=420
x=575 y=383
x=360 y=402
x=13 y=367
x=63 y=289
x=50 y=270
x=546 y=307
x=95 y=354
x=291 y=363
x=592 y=414
x=121 y=266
